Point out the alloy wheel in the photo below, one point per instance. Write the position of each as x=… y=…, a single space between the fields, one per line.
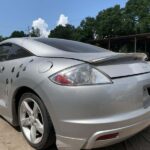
x=31 y=120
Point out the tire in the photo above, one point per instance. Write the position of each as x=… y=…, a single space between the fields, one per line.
x=35 y=122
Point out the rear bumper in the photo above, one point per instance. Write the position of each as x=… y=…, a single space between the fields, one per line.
x=124 y=132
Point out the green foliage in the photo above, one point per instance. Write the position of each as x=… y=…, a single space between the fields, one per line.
x=66 y=32
x=139 y=12
x=84 y=32
x=109 y=22
x=18 y=34
x=35 y=32
x=1 y=38
x=87 y=29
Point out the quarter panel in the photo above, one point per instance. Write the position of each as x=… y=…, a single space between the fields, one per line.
x=31 y=72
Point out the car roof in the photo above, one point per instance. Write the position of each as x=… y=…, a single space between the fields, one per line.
x=40 y=49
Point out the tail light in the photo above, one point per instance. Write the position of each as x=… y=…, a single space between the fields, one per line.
x=84 y=74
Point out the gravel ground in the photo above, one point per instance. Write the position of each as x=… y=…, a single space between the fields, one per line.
x=11 y=139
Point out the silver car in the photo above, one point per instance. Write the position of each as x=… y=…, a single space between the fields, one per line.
x=72 y=94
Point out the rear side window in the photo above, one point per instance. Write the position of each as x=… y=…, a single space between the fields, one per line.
x=12 y=51
x=18 y=52
x=71 y=46
x=4 y=51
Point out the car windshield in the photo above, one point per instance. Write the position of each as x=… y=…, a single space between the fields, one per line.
x=71 y=46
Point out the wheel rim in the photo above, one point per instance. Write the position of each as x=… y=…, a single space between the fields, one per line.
x=31 y=120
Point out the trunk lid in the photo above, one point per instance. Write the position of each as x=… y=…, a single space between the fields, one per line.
x=123 y=65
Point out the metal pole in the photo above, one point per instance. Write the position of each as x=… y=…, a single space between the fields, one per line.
x=145 y=46
x=109 y=44
x=135 y=44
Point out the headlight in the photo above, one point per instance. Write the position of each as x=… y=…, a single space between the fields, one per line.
x=83 y=74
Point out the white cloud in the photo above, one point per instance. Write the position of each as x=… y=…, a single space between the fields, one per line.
x=42 y=25
x=63 y=20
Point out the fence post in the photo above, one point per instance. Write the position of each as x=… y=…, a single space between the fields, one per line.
x=109 y=44
x=135 y=44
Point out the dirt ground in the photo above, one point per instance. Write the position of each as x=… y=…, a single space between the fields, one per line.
x=11 y=139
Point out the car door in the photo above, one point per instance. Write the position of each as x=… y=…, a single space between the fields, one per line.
x=4 y=52
x=11 y=56
x=14 y=60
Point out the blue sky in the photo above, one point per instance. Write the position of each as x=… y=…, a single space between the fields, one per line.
x=19 y=14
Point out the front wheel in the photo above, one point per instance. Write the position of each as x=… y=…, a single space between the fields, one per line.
x=35 y=122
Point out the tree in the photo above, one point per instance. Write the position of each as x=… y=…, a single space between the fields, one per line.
x=1 y=38
x=35 y=32
x=87 y=30
x=66 y=32
x=18 y=34
x=139 y=12
x=109 y=22
x=127 y=24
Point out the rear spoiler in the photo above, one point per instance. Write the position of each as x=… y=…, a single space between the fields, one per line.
x=123 y=57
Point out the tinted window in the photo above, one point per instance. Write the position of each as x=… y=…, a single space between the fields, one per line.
x=10 y=51
x=4 y=51
x=18 y=52
x=71 y=46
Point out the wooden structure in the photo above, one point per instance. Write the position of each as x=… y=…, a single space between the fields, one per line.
x=138 y=42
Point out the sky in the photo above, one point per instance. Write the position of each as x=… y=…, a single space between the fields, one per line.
x=47 y=14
